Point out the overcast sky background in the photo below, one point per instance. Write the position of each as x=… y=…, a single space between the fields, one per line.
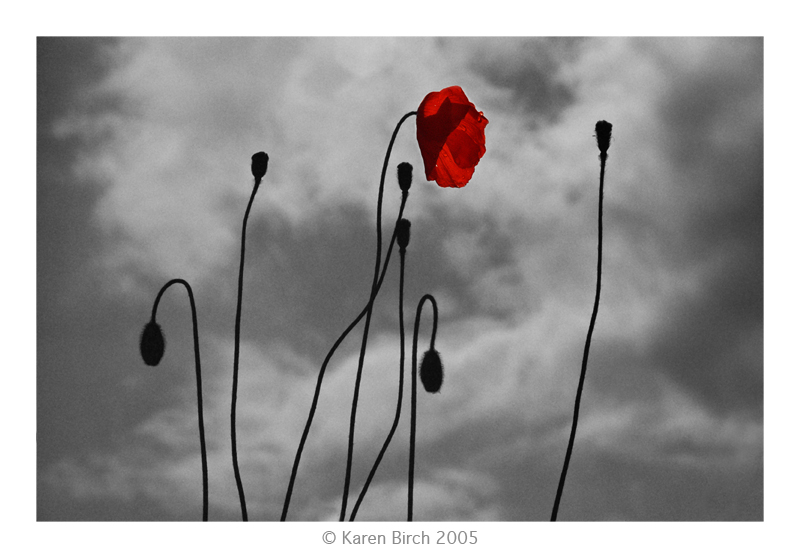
x=143 y=175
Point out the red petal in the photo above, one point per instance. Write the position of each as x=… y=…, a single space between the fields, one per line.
x=450 y=136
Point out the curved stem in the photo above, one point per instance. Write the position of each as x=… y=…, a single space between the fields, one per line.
x=321 y=374
x=373 y=294
x=399 y=393
x=574 y=429
x=200 y=421
x=237 y=331
x=412 y=446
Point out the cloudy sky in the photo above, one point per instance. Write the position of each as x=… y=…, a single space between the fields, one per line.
x=143 y=175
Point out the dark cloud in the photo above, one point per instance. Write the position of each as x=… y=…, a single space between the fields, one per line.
x=711 y=339
x=468 y=258
x=712 y=132
x=528 y=70
x=80 y=402
x=288 y=299
x=291 y=302
x=712 y=342
x=601 y=486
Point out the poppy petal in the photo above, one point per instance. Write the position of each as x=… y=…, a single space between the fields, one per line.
x=450 y=136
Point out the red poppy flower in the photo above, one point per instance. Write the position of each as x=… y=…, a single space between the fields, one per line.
x=450 y=136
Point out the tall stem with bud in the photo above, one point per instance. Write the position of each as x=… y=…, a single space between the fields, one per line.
x=431 y=373
x=404 y=178
x=373 y=294
x=403 y=232
x=258 y=167
x=151 y=346
x=603 y=135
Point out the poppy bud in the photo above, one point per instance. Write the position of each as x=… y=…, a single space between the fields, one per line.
x=403 y=233
x=404 y=176
x=431 y=372
x=151 y=344
x=259 y=165
x=602 y=132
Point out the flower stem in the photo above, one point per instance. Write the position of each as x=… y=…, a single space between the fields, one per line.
x=554 y=514
x=200 y=421
x=237 y=331
x=399 y=393
x=370 y=304
x=321 y=374
x=412 y=445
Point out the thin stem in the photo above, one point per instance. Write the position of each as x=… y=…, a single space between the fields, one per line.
x=237 y=331
x=554 y=514
x=200 y=421
x=412 y=445
x=321 y=374
x=399 y=393
x=373 y=294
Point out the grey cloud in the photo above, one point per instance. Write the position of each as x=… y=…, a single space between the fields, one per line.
x=528 y=70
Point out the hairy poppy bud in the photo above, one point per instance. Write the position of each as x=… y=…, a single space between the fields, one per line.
x=404 y=176
x=259 y=165
x=151 y=344
x=431 y=372
x=602 y=131
x=403 y=233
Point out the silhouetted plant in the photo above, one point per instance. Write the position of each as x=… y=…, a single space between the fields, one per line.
x=434 y=373
x=451 y=140
x=431 y=371
x=258 y=167
x=368 y=319
x=403 y=170
x=603 y=135
x=151 y=346
x=447 y=124
x=403 y=231
x=450 y=134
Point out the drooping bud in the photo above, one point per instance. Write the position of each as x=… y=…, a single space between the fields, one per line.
x=151 y=344
x=602 y=131
x=431 y=371
x=403 y=233
x=404 y=176
x=259 y=165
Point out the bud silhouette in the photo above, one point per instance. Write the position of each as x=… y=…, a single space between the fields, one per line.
x=602 y=132
x=404 y=176
x=431 y=374
x=151 y=344
x=259 y=165
x=403 y=233
x=431 y=371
